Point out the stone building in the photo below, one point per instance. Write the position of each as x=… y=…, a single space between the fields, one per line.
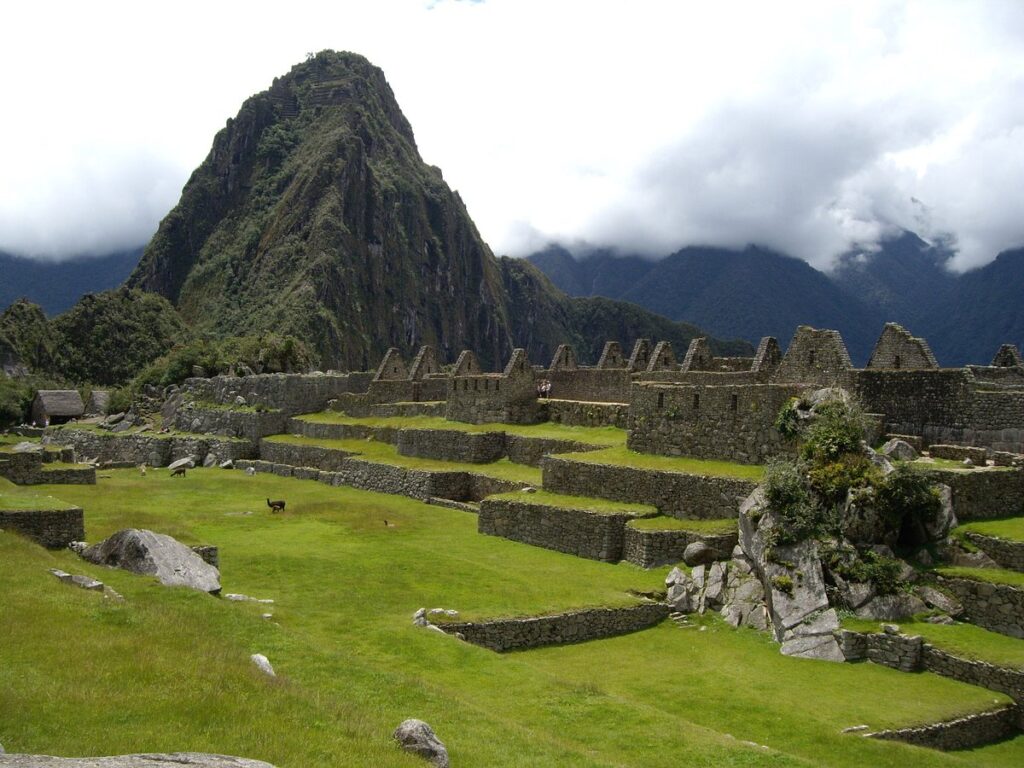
x=56 y=406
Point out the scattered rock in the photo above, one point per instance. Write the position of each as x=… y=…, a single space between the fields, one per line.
x=209 y=461
x=266 y=616
x=935 y=598
x=419 y=618
x=229 y=464
x=698 y=553
x=239 y=400
x=239 y=598
x=897 y=607
x=419 y=738
x=900 y=450
x=155 y=554
x=27 y=447
x=188 y=462
x=973 y=560
x=193 y=759
x=891 y=629
x=263 y=664
x=78 y=547
x=855 y=729
x=683 y=592
x=250 y=471
x=945 y=521
x=529 y=489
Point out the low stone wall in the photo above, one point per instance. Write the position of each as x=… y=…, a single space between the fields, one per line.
x=52 y=528
x=329 y=459
x=963 y=733
x=384 y=410
x=342 y=431
x=673 y=493
x=577 y=532
x=959 y=453
x=32 y=468
x=573 y=627
x=998 y=607
x=452 y=445
x=248 y=425
x=531 y=450
x=81 y=475
x=649 y=549
x=154 y=450
x=288 y=392
x=984 y=494
x=574 y=413
x=1009 y=554
x=21 y=468
x=912 y=654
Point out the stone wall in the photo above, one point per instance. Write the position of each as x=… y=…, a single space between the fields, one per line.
x=452 y=445
x=593 y=535
x=649 y=549
x=897 y=349
x=963 y=733
x=598 y=385
x=585 y=414
x=673 y=493
x=154 y=450
x=21 y=468
x=291 y=393
x=248 y=425
x=81 y=475
x=814 y=356
x=573 y=627
x=508 y=397
x=52 y=528
x=532 y=450
x=733 y=423
x=341 y=431
x=329 y=459
x=983 y=494
x=1001 y=679
x=31 y=468
x=1009 y=554
x=998 y=607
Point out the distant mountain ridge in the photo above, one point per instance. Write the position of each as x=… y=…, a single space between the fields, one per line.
x=756 y=292
x=56 y=286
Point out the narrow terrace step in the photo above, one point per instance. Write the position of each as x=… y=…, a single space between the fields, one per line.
x=1002 y=540
x=992 y=598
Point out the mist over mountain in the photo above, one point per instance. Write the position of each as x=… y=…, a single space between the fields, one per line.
x=56 y=286
x=757 y=292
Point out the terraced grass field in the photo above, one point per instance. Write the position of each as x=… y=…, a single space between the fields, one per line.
x=1011 y=528
x=622 y=456
x=169 y=670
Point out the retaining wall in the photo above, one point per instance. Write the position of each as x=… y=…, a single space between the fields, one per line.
x=52 y=528
x=594 y=535
x=963 y=733
x=983 y=494
x=1009 y=554
x=673 y=493
x=249 y=425
x=573 y=627
x=583 y=414
x=452 y=445
x=154 y=450
x=998 y=607
x=329 y=459
x=288 y=392
x=649 y=549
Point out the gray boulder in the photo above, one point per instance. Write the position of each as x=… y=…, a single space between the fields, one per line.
x=897 y=607
x=155 y=554
x=194 y=759
x=683 y=592
x=900 y=450
x=934 y=598
x=263 y=664
x=945 y=521
x=698 y=553
x=863 y=524
x=419 y=738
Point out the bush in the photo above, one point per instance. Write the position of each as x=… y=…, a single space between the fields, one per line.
x=788 y=420
x=837 y=429
x=832 y=481
x=15 y=400
x=907 y=493
x=797 y=513
x=867 y=567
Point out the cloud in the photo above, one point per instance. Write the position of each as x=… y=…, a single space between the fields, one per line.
x=808 y=127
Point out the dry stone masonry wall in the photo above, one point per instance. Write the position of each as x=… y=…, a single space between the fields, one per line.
x=998 y=607
x=51 y=528
x=650 y=548
x=1008 y=554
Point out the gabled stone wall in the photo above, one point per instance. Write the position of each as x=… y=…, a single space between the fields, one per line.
x=898 y=350
x=817 y=357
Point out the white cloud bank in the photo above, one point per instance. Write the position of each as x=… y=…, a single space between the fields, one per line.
x=808 y=127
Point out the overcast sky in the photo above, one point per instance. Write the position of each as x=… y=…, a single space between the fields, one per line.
x=809 y=127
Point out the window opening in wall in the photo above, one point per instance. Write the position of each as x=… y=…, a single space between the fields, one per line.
x=696 y=400
x=810 y=357
x=661 y=399
x=735 y=402
x=476 y=385
x=497 y=386
x=896 y=362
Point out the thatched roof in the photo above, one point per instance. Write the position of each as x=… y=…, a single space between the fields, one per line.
x=60 y=402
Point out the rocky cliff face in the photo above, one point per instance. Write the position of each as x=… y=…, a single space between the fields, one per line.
x=314 y=215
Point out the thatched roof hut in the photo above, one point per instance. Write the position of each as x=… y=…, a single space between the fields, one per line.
x=56 y=406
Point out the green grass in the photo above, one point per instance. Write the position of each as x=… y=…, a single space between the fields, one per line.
x=1011 y=528
x=385 y=453
x=546 y=430
x=965 y=640
x=991 y=575
x=622 y=456
x=954 y=466
x=55 y=465
x=13 y=497
x=168 y=669
x=601 y=506
x=662 y=523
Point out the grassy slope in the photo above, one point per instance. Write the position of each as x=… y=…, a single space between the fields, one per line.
x=547 y=499
x=168 y=670
x=662 y=523
x=549 y=430
x=991 y=575
x=964 y=640
x=1009 y=528
x=623 y=456
x=385 y=453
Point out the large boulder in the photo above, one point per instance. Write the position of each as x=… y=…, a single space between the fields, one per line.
x=194 y=759
x=895 y=607
x=155 y=554
x=683 y=592
x=900 y=450
x=419 y=738
x=698 y=553
x=863 y=524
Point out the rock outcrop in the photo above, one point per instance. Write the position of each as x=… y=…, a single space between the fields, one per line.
x=155 y=554
x=419 y=738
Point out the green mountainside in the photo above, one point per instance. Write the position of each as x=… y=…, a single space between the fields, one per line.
x=315 y=216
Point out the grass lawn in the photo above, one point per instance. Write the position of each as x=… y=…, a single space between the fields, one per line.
x=16 y=498
x=663 y=523
x=955 y=466
x=1008 y=528
x=546 y=430
x=602 y=506
x=965 y=640
x=622 y=456
x=385 y=453
x=991 y=575
x=169 y=670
